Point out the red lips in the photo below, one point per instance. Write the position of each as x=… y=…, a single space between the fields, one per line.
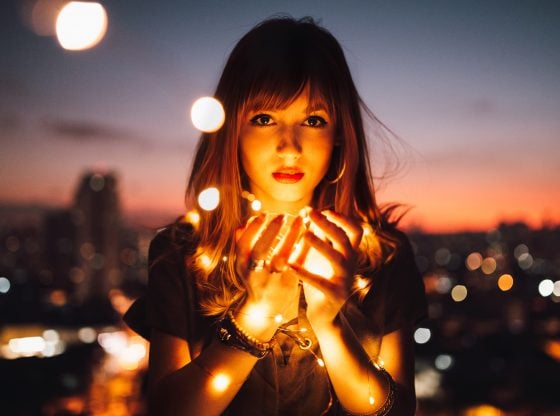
x=287 y=176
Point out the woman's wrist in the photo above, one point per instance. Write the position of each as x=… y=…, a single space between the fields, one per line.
x=232 y=334
x=257 y=320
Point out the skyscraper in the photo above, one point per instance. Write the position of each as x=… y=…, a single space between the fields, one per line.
x=96 y=215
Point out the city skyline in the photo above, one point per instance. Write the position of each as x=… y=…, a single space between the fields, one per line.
x=470 y=89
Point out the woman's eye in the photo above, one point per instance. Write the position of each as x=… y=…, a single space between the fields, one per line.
x=315 y=121
x=261 y=120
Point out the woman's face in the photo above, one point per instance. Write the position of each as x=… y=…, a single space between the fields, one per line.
x=286 y=152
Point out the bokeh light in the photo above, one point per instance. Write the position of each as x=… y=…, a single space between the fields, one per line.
x=207 y=114
x=81 y=25
x=422 y=335
x=488 y=265
x=459 y=293
x=473 y=261
x=546 y=287
x=256 y=205
x=4 y=285
x=525 y=261
x=443 y=361
x=505 y=282
x=209 y=199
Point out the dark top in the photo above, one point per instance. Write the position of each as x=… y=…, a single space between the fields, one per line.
x=289 y=381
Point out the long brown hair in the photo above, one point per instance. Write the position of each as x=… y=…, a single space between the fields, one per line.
x=269 y=67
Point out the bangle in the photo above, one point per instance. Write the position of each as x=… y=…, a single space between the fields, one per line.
x=386 y=408
x=231 y=334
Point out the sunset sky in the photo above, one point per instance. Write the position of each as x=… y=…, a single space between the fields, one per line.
x=471 y=87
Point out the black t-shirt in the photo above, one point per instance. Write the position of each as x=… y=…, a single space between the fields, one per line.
x=288 y=381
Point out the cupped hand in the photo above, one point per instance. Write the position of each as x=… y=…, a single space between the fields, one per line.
x=268 y=243
x=336 y=239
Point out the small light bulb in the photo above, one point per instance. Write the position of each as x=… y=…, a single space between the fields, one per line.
x=205 y=261
x=209 y=199
x=278 y=319
x=224 y=258
x=220 y=382
x=371 y=400
x=256 y=205
x=320 y=362
x=193 y=218
x=303 y=330
x=380 y=363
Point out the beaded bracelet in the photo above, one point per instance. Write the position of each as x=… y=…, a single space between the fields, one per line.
x=386 y=408
x=231 y=334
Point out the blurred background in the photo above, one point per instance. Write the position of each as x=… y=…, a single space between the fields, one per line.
x=96 y=141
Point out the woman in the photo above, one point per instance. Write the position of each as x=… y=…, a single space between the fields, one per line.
x=292 y=311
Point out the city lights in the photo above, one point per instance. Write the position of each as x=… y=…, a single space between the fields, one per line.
x=81 y=25
x=459 y=293
x=443 y=361
x=473 y=261
x=207 y=114
x=505 y=282
x=422 y=335
x=546 y=287
x=4 y=285
x=488 y=265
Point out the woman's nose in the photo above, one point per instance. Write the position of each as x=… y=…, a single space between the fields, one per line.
x=289 y=145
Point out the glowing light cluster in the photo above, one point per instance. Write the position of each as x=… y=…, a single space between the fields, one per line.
x=128 y=351
x=207 y=114
x=81 y=25
x=47 y=345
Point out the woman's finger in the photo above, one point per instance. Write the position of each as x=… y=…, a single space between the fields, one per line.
x=319 y=282
x=335 y=259
x=333 y=232
x=247 y=239
x=352 y=229
x=280 y=259
x=264 y=246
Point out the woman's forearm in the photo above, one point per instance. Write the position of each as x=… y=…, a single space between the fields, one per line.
x=359 y=385
x=205 y=386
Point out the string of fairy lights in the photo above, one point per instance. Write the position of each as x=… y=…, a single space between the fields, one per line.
x=208 y=116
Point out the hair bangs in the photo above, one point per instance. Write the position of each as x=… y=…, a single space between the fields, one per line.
x=279 y=93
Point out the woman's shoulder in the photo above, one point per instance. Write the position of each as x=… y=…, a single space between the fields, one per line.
x=176 y=238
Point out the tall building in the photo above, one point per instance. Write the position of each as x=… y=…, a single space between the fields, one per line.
x=96 y=215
